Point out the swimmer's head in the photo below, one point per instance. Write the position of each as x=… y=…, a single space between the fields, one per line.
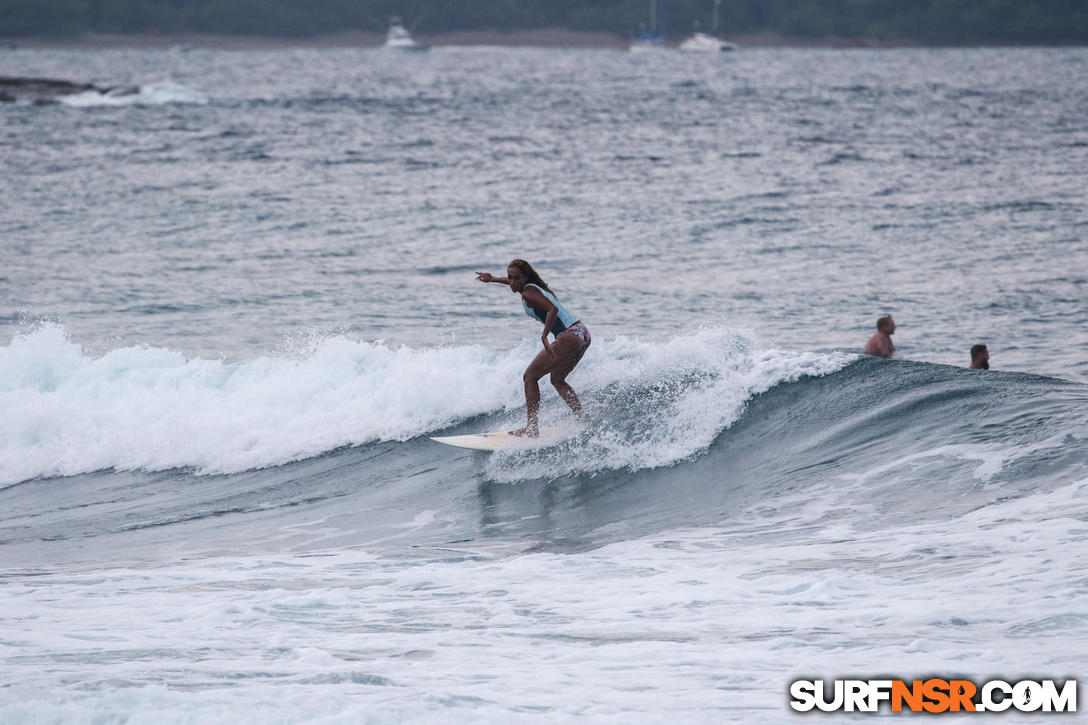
x=886 y=324
x=980 y=356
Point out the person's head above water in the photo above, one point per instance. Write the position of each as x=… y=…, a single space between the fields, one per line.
x=521 y=273
x=880 y=344
x=980 y=357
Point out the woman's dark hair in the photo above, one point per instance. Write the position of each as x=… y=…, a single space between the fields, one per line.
x=529 y=272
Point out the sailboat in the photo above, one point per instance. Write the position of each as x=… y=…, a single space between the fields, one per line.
x=704 y=43
x=649 y=38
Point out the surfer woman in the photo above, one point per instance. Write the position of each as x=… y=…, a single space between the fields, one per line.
x=559 y=357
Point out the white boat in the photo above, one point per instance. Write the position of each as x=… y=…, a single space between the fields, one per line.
x=398 y=38
x=704 y=43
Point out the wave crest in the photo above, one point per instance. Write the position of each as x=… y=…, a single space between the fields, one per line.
x=67 y=412
x=149 y=408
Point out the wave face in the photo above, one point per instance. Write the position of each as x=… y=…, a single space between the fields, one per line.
x=684 y=432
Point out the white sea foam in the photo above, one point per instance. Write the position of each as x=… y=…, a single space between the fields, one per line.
x=67 y=412
x=705 y=625
x=669 y=402
x=152 y=94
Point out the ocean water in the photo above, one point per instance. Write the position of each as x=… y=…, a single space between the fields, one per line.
x=236 y=304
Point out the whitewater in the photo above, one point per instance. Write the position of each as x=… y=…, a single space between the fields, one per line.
x=152 y=409
x=238 y=302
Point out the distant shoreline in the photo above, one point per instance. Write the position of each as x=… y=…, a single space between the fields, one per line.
x=539 y=38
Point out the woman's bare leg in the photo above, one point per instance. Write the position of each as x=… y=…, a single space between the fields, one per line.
x=542 y=364
x=563 y=368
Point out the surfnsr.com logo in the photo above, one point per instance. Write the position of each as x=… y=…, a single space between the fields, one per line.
x=933 y=695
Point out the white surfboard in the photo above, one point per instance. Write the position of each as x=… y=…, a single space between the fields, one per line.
x=503 y=440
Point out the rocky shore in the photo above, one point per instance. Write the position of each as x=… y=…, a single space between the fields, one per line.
x=46 y=90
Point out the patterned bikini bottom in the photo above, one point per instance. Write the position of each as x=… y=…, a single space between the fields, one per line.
x=579 y=330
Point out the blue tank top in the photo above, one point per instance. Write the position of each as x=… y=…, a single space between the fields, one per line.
x=563 y=319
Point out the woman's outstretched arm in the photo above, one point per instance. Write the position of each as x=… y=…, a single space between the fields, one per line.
x=488 y=277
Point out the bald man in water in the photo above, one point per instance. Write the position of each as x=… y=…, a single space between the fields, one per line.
x=880 y=344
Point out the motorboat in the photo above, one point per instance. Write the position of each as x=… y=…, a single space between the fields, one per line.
x=398 y=37
x=703 y=43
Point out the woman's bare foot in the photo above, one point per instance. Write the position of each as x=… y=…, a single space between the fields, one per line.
x=527 y=432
